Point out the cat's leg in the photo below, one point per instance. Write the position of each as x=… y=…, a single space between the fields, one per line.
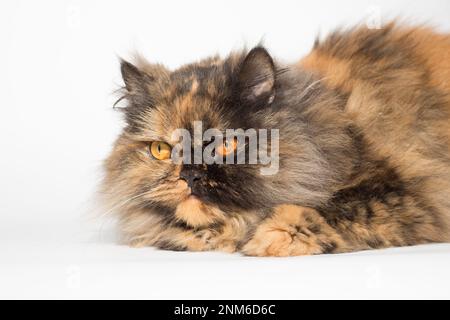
x=211 y=238
x=293 y=231
x=144 y=229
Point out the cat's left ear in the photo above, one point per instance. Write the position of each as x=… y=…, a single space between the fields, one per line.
x=141 y=81
x=137 y=83
x=256 y=79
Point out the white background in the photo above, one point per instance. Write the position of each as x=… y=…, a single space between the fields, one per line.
x=59 y=68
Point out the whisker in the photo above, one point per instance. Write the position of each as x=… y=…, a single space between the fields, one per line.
x=304 y=92
x=119 y=205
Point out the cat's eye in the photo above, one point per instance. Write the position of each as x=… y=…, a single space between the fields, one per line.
x=228 y=147
x=160 y=150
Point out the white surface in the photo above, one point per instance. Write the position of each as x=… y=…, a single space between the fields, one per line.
x=58 y=63
x=37 y=264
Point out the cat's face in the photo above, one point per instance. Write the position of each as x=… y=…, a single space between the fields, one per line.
x=219 y=94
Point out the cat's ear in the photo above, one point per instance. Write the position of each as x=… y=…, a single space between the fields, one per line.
x=137 y=83
x=256 y=78
x=131 y=76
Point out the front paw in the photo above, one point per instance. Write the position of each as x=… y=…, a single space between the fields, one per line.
x=293 y=231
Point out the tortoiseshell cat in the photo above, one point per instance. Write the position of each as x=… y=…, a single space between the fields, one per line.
x=364 y=128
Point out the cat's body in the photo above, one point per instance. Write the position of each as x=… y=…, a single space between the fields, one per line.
x=364 y=149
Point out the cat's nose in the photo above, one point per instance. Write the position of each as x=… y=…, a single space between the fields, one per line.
x=191 y=175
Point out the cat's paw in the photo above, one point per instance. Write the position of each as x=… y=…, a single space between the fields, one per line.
x=208 y=239
x=293 y=231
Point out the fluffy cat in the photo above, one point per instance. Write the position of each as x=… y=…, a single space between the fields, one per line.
x=364 y=148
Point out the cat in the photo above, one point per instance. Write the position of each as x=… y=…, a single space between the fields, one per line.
x=364 y=148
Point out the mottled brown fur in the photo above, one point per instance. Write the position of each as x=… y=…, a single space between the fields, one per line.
x=364 y=151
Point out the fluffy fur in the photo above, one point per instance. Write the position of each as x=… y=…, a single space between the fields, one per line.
x=364 y=124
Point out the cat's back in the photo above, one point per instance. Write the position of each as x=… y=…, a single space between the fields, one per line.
x=396 y=82
x=346 y=58
x=393 y=76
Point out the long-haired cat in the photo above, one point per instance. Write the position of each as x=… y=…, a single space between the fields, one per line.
x=364 y=148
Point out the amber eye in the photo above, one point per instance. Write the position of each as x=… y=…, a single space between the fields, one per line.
x=228 y=147
x=160 y=150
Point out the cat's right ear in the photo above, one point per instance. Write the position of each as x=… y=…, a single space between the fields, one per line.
x=137 y=83
x=256 y=78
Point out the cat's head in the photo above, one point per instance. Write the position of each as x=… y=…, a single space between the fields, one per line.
x=237 y=92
